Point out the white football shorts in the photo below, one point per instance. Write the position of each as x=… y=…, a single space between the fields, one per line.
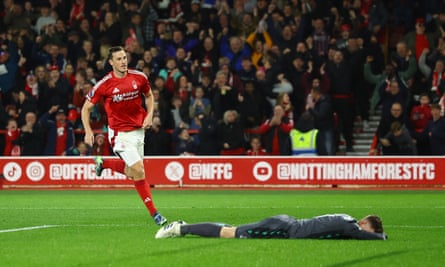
x=128 y=145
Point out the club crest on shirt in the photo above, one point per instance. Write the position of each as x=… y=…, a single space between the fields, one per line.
x=135 y=85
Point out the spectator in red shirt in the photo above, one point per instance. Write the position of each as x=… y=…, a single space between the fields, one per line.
x=256 y=149
x=420 y=116
x=60 y=134
x=11 y=137
x=276 y=132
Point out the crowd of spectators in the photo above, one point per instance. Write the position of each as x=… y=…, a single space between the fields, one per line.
x=225 y=73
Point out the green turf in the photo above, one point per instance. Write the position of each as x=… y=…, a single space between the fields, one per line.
x=112 y=228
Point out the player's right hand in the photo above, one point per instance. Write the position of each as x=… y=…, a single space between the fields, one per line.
x=89 y=138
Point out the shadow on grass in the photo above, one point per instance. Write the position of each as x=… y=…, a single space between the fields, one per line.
x=369 y=258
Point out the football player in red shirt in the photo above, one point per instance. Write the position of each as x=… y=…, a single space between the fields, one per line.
x=121 y=90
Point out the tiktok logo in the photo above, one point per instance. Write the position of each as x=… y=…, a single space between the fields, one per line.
x=12 y=172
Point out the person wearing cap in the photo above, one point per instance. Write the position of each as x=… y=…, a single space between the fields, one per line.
x=345 y=33
x=59 y=132
x=418 y=40
x=123 y=91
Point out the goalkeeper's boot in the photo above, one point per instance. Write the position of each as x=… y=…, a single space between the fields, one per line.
x=99 y=165
x=159 y=219
x=170 y=230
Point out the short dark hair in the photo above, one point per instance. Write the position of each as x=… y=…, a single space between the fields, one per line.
x=436 y=106
x=375 y=222
x=113 y=50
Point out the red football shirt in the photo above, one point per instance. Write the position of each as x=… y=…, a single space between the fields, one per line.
x=122 y=99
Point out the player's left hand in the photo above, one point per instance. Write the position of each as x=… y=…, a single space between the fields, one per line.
x=148 y=122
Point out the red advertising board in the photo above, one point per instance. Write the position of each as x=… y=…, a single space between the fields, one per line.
x=75 y=172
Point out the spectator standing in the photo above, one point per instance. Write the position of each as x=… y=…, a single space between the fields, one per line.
x=275 y=132
x=225 y=97
x=342 y=95
x=59 y=139
x=157 y=140
x=199 y=104
x=161 y=107
x=230 y=134
x=235 y=49
x=320 y=108
x=207 y=135
x=178 y=113
x=26 y=103
x=110 y=31
x=12 y=147
x=418 y=40
x=31 y=136
x=149 y=22
x=170 y=74
x=421 y=113
x=207 y=55
x=420 y=117
x=304 y=136
x=397 y=91
x=435 y=77
x=259 y=41
x=435 y=131
x=382 y=81
x=178 y=40
x=252 y=105
x=9 y=62
x=44 y=18
x=319 y=40
x=55 y=92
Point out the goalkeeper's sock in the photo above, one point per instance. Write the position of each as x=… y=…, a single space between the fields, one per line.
x=143 y=189
x=117 y=165
x=202 y=229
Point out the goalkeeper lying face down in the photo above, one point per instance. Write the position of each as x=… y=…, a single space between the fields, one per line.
x=330 y=226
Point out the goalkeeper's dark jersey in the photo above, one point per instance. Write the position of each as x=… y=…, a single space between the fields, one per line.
x=330 y=226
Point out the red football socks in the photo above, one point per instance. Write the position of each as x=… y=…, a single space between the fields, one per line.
x=144 y=192
x=117 y=165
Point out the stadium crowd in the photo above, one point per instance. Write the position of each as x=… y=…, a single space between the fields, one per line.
x=230 y=77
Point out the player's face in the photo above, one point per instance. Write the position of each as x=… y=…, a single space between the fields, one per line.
x=119 y=62
x=365 y=225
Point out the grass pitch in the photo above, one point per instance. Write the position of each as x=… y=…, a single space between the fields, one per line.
x=112 y=228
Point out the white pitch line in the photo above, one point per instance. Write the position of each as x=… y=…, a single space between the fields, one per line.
x=27 y=228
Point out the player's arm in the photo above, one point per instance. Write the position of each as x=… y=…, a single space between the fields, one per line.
x=149 y=103
x=358 y=233
x=85 y=116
